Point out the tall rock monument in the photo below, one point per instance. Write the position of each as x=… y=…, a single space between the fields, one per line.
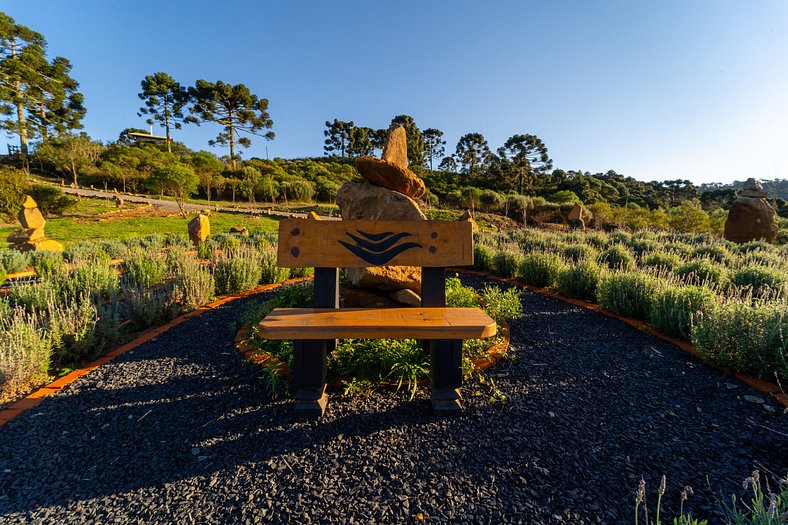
x=388 y=194
x=31 y=237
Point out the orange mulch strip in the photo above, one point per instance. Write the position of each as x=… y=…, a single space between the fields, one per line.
x=37 y=396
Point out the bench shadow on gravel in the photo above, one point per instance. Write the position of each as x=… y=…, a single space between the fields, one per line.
x=594 y=404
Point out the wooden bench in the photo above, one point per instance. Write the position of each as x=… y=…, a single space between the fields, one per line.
x=330 y=245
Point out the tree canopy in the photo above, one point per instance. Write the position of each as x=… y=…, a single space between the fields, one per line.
x=164 y=100
x=234 y=108
x=37 y=97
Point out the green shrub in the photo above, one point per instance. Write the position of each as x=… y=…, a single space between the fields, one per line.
x=640 y=246
x=25 y=350
x=668 y=261
x=679 y=248
x=502 y=305
x=204 y=250
x=49 y=264
x=752 y=246
x=2 y=275
x=270 y=271
x=85 y=252
x=14 y=261
x=579 y=280
x=713 y=252
x=507 y=262
x=597 y=240
x=761 y=258
x=459 y=296
x=744 y=337
x=630 y=294
x=540 y=269
x=72 y=326
x=237 y=270
x=115 y=249
x=13 y=186
x=618 y=257
x=299 y=272
x=761 y=278
x=192 y=286
x=579 y=252
x=99 y=280
x=51 y=200
x=145 y=306
x=702 y=271
x=32 y=296
x=483 y=257
x=145 y=268
x=675 y=307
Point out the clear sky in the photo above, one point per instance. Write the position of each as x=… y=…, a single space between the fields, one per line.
x=653 y=90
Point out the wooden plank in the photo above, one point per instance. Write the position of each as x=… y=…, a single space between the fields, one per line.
x=377 y=323
x=353 y=244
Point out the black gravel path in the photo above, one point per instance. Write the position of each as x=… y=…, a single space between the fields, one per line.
x=181 y=430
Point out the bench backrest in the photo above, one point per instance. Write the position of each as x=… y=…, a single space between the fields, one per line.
x=330 y=245
x=353 y=244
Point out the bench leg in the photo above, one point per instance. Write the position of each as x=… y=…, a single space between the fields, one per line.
x=309 y=378
x=446 y=375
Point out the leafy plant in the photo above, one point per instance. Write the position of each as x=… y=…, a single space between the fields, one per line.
x=145 y=268
x=507 y=262
x=618 y=257
x=675 y=307
x=540 y=269
x=629 y=294
x=579 y=280
x=14 y=261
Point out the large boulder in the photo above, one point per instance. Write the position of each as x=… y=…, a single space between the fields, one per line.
x=750 y=219
x=383 y=173
x=24 y=235
x=360 y=201
x=38 y=246
x=199 y=229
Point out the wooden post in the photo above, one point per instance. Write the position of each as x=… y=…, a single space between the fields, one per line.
x=445 y=355
x=446 y=376
x=309 y=357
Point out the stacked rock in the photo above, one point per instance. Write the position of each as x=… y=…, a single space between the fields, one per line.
x=751 y=217
x=388 y=195
x=31 y=237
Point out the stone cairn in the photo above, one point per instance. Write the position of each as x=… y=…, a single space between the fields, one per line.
x=31 y=237
x=389 y=194
x=751 y=217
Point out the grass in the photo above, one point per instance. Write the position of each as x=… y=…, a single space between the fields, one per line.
x=92 y=219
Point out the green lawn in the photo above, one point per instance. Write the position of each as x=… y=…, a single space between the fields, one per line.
x=83 y=223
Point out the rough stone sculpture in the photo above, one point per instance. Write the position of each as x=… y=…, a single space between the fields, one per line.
x=392 y=170
x=751 y=217
x=32 y=237
x=199 y=229
x=388 y=195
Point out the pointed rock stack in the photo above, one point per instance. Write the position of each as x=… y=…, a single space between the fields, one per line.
x=751 y=217
x=31 y=237
x=389 y=194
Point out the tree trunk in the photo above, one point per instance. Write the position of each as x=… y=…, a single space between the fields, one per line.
x=74 y=172
x=167 y=128
x=208 y=192
x=231 y=137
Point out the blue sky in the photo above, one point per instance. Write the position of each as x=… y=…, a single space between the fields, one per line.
x=654 y=90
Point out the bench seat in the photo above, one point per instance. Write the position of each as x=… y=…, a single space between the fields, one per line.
x=377 y=323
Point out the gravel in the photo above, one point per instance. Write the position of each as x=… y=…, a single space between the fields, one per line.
x=183 y=430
